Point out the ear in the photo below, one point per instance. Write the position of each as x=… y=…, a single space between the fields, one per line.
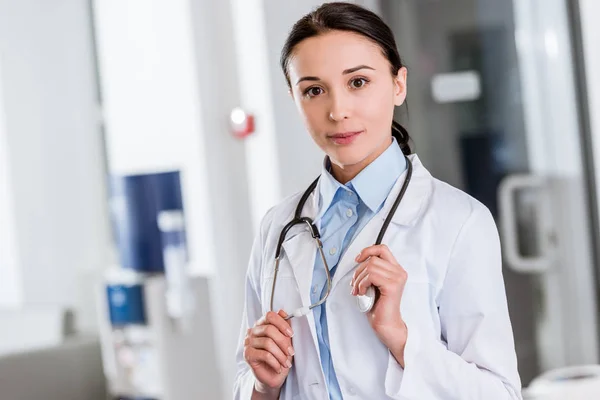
x=400 y=86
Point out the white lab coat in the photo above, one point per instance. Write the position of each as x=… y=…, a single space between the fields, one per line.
x=460 y=342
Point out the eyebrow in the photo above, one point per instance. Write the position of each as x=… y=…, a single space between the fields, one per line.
x=351 y=70
x=345 y=72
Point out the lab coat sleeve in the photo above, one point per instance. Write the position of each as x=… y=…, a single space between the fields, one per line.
x=476 y=357
x=244 y=380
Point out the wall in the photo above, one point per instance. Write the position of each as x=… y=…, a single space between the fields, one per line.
x=55 y=159
x=229 y=163
x=590 y=30
x=254 y=74
x=10 y=277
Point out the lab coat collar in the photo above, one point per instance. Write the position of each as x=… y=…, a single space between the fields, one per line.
x=416 y=197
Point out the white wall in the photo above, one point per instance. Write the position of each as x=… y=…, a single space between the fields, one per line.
x=254 y=73
x=10 y=276
x=230 y=169
x=590 y=29
x=294 y=145
x=55 y=151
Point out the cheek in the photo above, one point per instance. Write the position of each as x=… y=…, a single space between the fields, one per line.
x=377 y=110
x=312 y=115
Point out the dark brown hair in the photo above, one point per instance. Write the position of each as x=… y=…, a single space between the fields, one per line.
x=339 y=16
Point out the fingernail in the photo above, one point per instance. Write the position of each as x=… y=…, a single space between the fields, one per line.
x=358 y=256
x=291 y=351
x=289 y=333
x=289 y=364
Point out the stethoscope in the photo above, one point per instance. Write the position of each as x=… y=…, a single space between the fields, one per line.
x=365 y=303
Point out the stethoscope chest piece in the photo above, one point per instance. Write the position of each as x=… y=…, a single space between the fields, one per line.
x=366 y=302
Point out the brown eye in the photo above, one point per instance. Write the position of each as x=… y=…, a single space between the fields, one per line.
x=358 y=83
x=313 y=91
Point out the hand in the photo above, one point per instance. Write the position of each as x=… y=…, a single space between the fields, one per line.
x=378 y=267
x=268 y=351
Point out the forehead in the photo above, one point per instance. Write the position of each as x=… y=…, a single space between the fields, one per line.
x=333 y=52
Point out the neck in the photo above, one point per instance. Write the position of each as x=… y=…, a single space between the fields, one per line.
x=345 y=173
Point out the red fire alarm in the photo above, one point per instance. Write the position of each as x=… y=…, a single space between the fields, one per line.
x=242 y=123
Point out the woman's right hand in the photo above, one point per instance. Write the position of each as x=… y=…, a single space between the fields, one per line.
x=269 y=352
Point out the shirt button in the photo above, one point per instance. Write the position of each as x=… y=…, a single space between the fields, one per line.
x=351 y=391
x=314 y=289
x=349 y=213
x=332 y=251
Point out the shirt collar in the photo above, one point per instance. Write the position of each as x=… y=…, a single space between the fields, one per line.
x=372 y=184
x=328 y=187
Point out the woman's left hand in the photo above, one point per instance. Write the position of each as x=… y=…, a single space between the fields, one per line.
x=379 y=268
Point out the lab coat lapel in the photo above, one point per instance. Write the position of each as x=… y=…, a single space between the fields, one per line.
x=410 y=209
x=300 y=251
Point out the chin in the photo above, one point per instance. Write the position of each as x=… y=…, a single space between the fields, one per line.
x=348 y=155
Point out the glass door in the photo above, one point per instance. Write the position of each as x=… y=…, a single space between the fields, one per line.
x=492 y=110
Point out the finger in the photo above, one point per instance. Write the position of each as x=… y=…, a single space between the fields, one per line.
x=255 y=356
x=376 y=278
x=381 y=251
x=271 y=332
x=373 y=263
x=277 y=320
x=383 y=272
x=265 y=343
x=361 y=267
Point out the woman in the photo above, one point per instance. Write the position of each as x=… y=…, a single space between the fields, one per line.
x=439 y=326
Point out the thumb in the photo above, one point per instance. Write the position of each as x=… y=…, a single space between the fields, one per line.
x=282 y=314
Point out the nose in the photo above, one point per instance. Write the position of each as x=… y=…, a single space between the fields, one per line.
x=340 y=108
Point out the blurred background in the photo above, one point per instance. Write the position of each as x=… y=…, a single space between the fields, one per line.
x=141 y=142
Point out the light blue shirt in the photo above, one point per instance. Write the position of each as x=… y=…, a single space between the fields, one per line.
x=344 y=211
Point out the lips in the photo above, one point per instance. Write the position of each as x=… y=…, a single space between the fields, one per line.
x=344 y=137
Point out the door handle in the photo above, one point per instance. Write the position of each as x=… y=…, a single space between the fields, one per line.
x=509 y=232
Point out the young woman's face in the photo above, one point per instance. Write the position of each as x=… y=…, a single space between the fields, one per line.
x=344 y=90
